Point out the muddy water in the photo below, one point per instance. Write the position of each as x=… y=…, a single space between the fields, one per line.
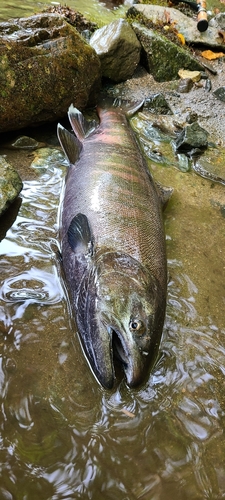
x=62 y=436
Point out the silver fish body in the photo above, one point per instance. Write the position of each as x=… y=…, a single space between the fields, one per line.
x=113 y=246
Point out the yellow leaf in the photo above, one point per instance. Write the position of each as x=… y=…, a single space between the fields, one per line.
x=181 y=38
x=210 y=55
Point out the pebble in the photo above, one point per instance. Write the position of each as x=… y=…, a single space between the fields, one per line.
x=185 y=85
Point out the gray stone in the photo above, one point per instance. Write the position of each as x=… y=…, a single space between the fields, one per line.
x=185 y=85
x=10 y=184
x=118 y=49
x=44 y=66
x=218 y=22
x=192 y=136
x=157 y=104
x=183 y=24
x=163 y=58
x=220 y=93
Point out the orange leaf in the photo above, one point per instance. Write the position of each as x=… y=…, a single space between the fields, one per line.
x=210 y=55
x=181 y=38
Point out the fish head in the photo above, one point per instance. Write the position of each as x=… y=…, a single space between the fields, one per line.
x=121 y=311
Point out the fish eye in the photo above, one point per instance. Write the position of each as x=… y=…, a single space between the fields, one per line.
x=136 y=325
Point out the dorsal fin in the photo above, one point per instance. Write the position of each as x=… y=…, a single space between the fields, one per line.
x=79 y=235
x=70 y=144
x=81 y=127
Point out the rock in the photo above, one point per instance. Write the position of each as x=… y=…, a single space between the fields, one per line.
x=192 y=136
x=191 y=117
x=195 y=76
x=184 y=25
x=185 y=85
x=163 y=58
x=208 y=85
x=25 y=142
x=10 y=184
x=157 y=104
x=44 y=66
x=218 y=21
x=220 y=93
x=118 y=49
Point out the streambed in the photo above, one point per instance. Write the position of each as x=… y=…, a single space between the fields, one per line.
x=62 y=435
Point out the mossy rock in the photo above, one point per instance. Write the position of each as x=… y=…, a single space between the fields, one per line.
x=45 y=65
x=10 y=184
x=161 y=57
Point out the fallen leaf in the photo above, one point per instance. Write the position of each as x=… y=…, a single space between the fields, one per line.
x=210 y=55
x=128 y=413
x=181 y=38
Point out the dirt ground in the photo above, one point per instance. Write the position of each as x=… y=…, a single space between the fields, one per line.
x=210 y=110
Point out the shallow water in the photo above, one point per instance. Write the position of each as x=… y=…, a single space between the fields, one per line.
x=104 y=12
x=101 y=12
x=63 y=436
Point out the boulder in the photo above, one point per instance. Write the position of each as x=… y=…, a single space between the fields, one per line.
x=184 y=25
x=45 y=65
x=118 y=49
x=10 y=184
x=163 y=58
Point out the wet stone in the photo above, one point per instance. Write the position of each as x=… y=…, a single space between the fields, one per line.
x=10 y=184
x=220 y=93
x=192 y=136
x=157 y=104
x=25 y=142
x=185 y=85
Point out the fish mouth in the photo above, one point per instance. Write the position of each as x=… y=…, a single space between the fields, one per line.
x=126 y=358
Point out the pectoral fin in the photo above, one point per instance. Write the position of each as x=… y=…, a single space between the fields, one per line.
x=79 y=235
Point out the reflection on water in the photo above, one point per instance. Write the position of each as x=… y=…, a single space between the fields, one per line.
x=64 y=437
x=103 y=12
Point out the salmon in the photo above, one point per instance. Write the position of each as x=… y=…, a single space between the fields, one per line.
x=113 y=246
